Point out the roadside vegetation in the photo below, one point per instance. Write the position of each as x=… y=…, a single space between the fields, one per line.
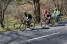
x=15 y=10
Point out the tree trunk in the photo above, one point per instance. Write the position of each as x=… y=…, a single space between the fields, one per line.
x=3 y=6
x=1 y=20
x=37 y=10
x=1 y=17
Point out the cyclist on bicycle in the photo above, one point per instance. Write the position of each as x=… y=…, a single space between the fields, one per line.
x=56 y=14
x=28 y=19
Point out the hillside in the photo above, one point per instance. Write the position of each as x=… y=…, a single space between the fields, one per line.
x=27 y=5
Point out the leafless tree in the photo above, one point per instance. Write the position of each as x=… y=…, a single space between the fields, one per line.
x=3 y=6
x=37 y=9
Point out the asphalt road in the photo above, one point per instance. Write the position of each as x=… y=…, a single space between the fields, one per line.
x=54 y=35
x=58 y=38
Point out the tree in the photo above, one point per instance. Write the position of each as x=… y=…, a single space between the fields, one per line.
x=37 y=10
x=3 y=6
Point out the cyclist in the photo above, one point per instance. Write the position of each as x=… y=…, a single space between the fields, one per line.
x=28 y=19
x=56 y=14
x=45 y=17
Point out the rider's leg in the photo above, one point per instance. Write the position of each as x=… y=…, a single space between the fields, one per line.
x=58 y=18
x=29 y=22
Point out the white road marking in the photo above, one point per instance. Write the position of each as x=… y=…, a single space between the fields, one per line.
x=43 y=37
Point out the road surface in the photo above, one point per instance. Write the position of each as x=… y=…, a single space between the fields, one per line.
x=54 y=35
x=56 y=38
